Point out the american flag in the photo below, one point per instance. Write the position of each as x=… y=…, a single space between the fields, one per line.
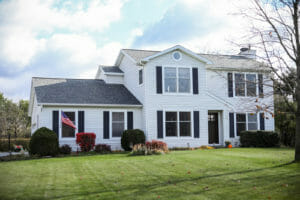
x=66 y=120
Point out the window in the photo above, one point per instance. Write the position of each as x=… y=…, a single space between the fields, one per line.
x=171 y=123
x=175 y=125
x=177 y=80
x=141 y=76
x=118 y=124
x=251 y=85
x=239 y=84
x=185 y=123
x=184 y=80
x=240 y=123
x=252 y=121
x=176 y=55
x=68 y=131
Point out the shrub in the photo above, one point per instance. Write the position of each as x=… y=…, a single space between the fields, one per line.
x=259 y=139
x=65 y=149
x=102 y=148
x=150 y=148
x=86 y=141
x=24 y=142
x=43 y=142
x=157 y=145
x=131 y=138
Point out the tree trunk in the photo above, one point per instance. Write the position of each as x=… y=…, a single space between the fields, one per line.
x=297 y=142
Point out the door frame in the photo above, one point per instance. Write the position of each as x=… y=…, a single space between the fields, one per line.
x=219 y=126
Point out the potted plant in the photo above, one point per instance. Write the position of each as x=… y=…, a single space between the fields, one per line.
x=228 y=144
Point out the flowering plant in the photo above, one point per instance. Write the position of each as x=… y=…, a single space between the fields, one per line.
x=86 y=141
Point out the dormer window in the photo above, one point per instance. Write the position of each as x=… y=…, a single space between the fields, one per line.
x=176 y=55
x=177 y=80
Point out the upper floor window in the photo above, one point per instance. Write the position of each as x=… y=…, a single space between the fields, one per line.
x=245 y=85
x=176 y=56
x=177 y=80
x=141 y=76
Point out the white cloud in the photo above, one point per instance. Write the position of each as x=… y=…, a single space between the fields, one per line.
x=24 y=22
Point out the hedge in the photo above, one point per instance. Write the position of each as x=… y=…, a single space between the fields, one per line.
x=19 y=141
x=259 y=139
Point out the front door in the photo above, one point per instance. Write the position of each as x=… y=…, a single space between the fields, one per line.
x=213 y=128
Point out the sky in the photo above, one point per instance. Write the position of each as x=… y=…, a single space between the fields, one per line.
x=69 y=39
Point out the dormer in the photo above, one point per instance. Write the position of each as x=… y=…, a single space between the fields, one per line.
x=110 y=74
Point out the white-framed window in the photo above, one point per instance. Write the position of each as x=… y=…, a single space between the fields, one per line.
x=177 y=80
x=252 y=121
x=117 y=123
x=178 y=124
x=141 y=79
x=246 y=121
x=245 y=84
x=176 y=55
x=67 y=131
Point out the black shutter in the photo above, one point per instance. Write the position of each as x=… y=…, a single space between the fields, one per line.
x=160 y=124
x=129 y=120
x=230 y=85
x=195 y=81
x=106 y=124
x=231 y=125
x=55 y=122
x=196 y=124
x=262 y=121
x=260 y=86
x=159 y=80
x=80 y=121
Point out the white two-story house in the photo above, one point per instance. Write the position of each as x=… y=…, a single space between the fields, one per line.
x=177 y=96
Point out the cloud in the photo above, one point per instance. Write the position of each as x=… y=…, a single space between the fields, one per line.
x=27 y=26
x=180 y=22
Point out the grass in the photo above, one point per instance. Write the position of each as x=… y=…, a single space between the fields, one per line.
x=240 y=173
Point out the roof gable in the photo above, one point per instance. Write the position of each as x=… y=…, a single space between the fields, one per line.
x=180 y=48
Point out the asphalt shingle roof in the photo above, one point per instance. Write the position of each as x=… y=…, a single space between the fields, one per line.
x=218 y=60
x=111 y=69
x=84 y=91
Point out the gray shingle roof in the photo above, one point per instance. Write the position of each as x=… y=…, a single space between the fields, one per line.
x=84 y=91
x=111 y=69
x=218 y=61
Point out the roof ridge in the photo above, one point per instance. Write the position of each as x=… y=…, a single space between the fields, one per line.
x=65 y=78
x=141 y=50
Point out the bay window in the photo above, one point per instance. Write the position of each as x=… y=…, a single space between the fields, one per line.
x=177 y=80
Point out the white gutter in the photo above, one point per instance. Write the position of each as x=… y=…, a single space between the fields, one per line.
x=91 y=105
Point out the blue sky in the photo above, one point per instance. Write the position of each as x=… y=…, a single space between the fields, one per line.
x=70 y=39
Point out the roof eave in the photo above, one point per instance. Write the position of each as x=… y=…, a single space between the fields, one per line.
x=91 y=105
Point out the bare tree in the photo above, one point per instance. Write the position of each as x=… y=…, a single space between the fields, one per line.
x=275 y=34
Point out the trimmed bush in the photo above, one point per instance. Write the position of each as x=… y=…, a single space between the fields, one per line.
x=131 y=138
x=102 y=148
x=86 y=141
x=259 y=139
x=65 y=149
x=43 y=142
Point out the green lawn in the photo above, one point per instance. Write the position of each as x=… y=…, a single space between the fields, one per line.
x=240 y=173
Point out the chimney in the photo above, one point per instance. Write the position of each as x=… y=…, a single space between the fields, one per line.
x=248 y=52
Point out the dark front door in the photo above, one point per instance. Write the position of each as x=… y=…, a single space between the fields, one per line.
x=213 y=128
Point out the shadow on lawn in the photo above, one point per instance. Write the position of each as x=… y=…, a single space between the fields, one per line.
x=142 y=189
